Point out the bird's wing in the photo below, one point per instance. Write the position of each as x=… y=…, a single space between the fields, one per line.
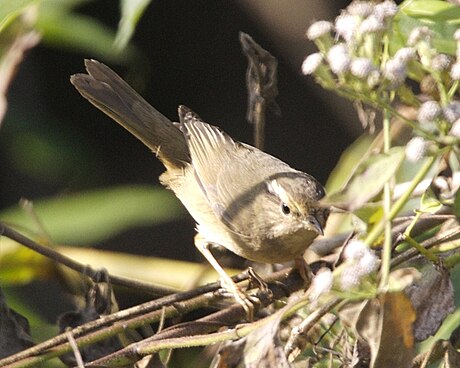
x=230 y=174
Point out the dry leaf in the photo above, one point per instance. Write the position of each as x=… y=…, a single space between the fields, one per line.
x=14 y=330
x=260 y=349
x=385 y=324
x=433 y=299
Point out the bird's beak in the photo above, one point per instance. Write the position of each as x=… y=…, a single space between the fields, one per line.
x=315 y=224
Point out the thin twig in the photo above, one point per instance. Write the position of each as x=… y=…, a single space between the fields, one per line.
x=76 y=352
x=449 y=235
x=81 y=268
x=200 y=332
x=398 y=205
x=281 y=284
x=387 y=203
x=308 y=323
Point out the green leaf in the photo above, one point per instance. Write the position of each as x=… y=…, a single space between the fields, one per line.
x=95 y=215
x=435 y=10
x=348 y=163
x=131 y=12
x=11 y=9
x=171 y=273
x=440 y=17
x=429 y=203
x=61 y=28
x=370 y=213
x=21 y=265
x=369 y=179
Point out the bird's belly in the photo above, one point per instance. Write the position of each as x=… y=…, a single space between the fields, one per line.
x=275 y=250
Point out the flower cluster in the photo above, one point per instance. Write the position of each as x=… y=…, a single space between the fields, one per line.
x=360 y=261
x=347 y=47
x=356 y=59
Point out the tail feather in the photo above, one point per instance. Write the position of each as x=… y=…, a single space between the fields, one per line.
x=112 y=95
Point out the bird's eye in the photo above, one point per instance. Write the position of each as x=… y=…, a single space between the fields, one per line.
x=285 y=208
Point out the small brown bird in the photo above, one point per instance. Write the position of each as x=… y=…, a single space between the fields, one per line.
x=246 y=200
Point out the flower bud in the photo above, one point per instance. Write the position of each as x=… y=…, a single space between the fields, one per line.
x=311 y=63
x=321 y=284
x=395 y=71
x=360 y=8
x=359 y=261
x=428 y=111
x=346 y=26
x=455 y=71
x=355 y=249
x=405 y=54
x=374 y=78
x=372 y=24
x=362 y=67
x=455 y=130
x=451 y=112
x=416 y=149
x=338 y=58
x=318 y=29
x=368 y=263
x=418 y=34
x=440 y=62
x=386 y=9
x=349 y=279
x=457 y=35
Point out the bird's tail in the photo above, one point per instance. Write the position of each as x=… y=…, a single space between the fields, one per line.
x=112 y=95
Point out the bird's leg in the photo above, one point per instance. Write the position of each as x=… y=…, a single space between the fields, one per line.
x=226 y=281
x=254 y=278
x=304 y=270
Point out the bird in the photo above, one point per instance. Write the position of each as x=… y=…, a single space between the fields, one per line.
x=241 y=198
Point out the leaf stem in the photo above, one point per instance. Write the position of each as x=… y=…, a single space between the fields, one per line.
x=398 y=205
x=386 y=255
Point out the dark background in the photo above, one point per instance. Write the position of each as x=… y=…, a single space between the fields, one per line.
x=190 y=55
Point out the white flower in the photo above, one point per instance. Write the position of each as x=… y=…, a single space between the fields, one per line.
x=374 y=78
x=360 y=8
x=311 y=63
x=338 y=58
x=451 y=112
x=416 y=149
x=405 y=54
x=428 y=111
x=455 y=71
x=440 y=62
x=386 y=9
x=362 y=67
x=457 y=35
x=368 y=263
x=418 y=34
x=395 y=71
x=371 y=24
x=349 y=279
x=346 y=26
x=455 y=130
x=359 y=261
x=318 y=29
x=321 y=284
x=355 y=249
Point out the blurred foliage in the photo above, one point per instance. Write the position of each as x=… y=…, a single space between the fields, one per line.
x=441 y=17
x=87 y=218
x=131 y=11
x=60 y=25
